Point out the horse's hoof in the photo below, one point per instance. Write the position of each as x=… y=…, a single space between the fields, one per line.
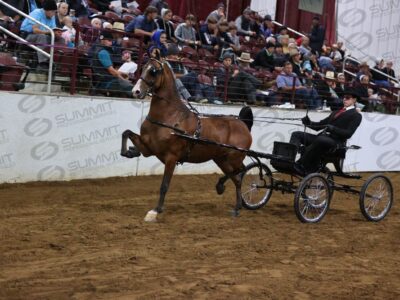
x=235 y=213
x=151 y=216
x=220 y=188
x=131 y=153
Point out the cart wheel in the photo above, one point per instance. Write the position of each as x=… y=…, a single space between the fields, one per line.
x=376 y=197
x=312 y=198
x=256 y=186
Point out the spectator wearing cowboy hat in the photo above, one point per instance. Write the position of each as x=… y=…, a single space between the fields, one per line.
x=265 y=58
x=326 y=88
x=105 y=77
x=241 y=85
x=339 y=126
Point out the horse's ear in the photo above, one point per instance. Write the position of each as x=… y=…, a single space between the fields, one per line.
x=158 y=55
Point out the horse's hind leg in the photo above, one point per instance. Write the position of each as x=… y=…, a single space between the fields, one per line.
x=139 y=148
x=151 y=215
x=220 y=186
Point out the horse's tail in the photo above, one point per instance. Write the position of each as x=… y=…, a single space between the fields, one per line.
x=246 y=115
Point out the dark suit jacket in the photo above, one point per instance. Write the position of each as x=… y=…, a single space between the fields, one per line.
x=345 y=124
x=317 y=37
x=263 y=60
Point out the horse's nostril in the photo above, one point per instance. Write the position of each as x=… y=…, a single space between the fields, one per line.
x=137 y=92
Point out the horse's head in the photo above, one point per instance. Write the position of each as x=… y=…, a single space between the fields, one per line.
x=150 y=80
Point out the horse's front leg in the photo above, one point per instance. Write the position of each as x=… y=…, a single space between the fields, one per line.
x=139 y=148
x=151 y=215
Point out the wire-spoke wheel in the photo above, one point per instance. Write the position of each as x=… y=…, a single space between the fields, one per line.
x=376 y=197
x=312 y=198
x=256 y=186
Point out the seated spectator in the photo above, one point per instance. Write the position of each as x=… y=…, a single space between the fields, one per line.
x=128 y=67
x=326 y=88
x=282 y=31
x=107 y=25
x=105 y=76
x=38 y=34
x=305 y=49
x=295 y=60
x=224 y=41
x=341 y=48
x=389 y=69
x=104 y=5
x=279 y=57
x=284 y=41
x=185 y=32
x=265 y=58
x=159 y=5
x=159 y=41
x=208 y=35
x=232 y=34
x=69 y=33
x=164 y=23
x=340 y=85
x=362 y=90
x=217 y=14
x=240 y=84
x=377 y=77
x=144 y=24
x=81 y=7
x=335 y=54
x=325 y=62
x=364 y=70
x=244 y=23
x=267 y=27
x=96 y=23
x=9 y=15
x=62 y=11
x=287 y=82
x=244 y=61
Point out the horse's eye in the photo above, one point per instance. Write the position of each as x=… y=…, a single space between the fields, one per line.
x=153 y=72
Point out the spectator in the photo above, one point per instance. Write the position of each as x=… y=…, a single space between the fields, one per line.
x=103 y=5
x=364 y=70
x=326 y=88
x=224 y=41
x=265 y=58
x=267 y=26
x=305 y=49
x=81 y=7
x=217 y=14
x=283 y=39
x=144 y=24
x=62 y=11
x=107 y=25
x=96 y=23
x=317 y=35
x=325 y=63
x=186 y=34
x=282 y=31
x=335 y=54
x=341 y=48
x=69 y=33
x=244 y=23
x=379 y=78
x=362 y=90
x=159 y=5
x=240 y=84
x=105 y=76
x=8 y=15
x=279 y=57
x=38 y=34
x=295 y=60
x=389 y=69
x=208 y=35
x=287 y=82
x=164 y=23
x=340 y=85
x=232 y=34
x=128 y=67
x=159 y=40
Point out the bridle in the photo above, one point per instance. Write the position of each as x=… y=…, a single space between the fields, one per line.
x=154 y=71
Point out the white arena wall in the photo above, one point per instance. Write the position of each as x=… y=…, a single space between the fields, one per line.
x=48 y=138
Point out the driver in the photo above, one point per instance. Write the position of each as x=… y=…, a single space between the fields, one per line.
x=339 y=126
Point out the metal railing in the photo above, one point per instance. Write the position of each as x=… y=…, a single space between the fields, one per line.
x=289 y=29
x=50 y=56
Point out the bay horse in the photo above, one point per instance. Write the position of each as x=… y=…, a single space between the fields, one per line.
x=168 y=114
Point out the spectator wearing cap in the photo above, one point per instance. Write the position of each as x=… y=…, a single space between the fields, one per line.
x=106 y=78
x=265 y=58
x=160 y=5
x=317 y=35
x=144 y=24
x=185 y=32
x=37 y=34
x=217 y=14
x=244 y=23
x=128 y=67
x=377 y=77
x=208 y=35
x=267 y=27
x=164 y=23
x=288 y=81
x=241 y=85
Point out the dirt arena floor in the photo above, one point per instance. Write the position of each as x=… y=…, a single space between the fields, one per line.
x=88 y=240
